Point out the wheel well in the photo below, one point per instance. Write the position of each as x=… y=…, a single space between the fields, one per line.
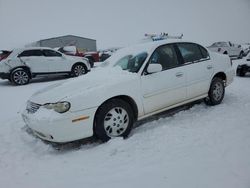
x=127 y=99
x=221 y=75
x=23 y=67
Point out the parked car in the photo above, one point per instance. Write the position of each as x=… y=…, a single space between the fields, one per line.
x=244 y=68
x=21 y=65
x=227 y=48
x=105 y=54
x=245 y=48
x=73 y=51
x=134 y=83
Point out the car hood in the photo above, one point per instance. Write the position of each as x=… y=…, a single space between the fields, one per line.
x=96 y=79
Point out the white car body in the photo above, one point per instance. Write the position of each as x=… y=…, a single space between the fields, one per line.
x=39 y=64
x=151 y=93
x=228 y=48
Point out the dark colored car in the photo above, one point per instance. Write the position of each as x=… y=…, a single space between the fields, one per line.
x=243 y=68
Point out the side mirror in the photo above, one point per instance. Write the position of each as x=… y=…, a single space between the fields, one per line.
x=153 y=68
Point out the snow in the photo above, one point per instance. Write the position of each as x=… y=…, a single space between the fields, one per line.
x=203 y=146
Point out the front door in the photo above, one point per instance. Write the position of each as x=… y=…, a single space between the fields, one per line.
x=57 y=62
x=165 y=88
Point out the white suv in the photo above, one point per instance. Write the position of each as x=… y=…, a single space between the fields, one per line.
x=134 y=83
x=21 y=65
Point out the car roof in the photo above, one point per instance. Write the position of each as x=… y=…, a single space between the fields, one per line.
x=35 y=48
x=151 y=45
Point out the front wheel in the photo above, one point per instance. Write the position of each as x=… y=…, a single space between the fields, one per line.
x=113 y=119
x=20 y=77
x=78 y=70
x=216 y=92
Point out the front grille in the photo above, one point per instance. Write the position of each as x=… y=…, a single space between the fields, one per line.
x=32 y=107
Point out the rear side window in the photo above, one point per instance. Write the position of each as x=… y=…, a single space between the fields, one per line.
x=204 y=52
x=51 y=53
x=28 y=53
x=190 y=52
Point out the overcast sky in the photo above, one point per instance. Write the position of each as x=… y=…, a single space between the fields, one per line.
x=122 y=22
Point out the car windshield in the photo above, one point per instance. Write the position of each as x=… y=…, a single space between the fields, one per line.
x=131 y=62
x=219 y=44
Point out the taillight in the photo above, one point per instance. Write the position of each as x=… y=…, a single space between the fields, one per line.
x=231 y=62
x=4 y=55
x=219 y=49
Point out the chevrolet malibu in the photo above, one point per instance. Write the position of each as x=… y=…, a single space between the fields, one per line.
x=134 y=83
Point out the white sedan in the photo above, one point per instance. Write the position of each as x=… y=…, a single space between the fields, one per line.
x=134 y=83
x=21 y=65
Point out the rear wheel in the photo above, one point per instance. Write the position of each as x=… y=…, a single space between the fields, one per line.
x=113 y=119
x=20 y=77
x=240 y=71
x=216 y=92
x=78 y=70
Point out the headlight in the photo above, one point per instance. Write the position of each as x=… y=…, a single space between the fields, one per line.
x=59 y=107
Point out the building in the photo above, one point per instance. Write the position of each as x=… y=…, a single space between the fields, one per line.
x=82 y=44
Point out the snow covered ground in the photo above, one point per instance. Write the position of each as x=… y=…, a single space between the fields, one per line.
x=203 y=147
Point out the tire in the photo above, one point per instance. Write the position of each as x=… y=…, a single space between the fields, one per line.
x=216 y=92
x=240 y=72
x=113 y=119
x=78 y=70
x=20 y=76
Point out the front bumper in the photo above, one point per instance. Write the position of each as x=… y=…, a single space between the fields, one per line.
x=61 y=128
x=4 y=75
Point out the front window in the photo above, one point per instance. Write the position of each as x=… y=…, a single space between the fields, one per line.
x=165 y=56
x=51 y=53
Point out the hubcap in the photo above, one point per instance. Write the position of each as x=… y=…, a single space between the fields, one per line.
x=79 y=70
x=20 y=77
x=116 y=122
x=218 y=91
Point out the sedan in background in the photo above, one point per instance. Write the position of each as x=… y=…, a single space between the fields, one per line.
x=244 y=68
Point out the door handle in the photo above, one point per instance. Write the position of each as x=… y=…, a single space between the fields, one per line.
x=179 y=74
x=209 y=67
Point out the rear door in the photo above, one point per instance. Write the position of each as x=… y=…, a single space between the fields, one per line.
x=35 y=60
x=57 y=62
x=199 y=68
